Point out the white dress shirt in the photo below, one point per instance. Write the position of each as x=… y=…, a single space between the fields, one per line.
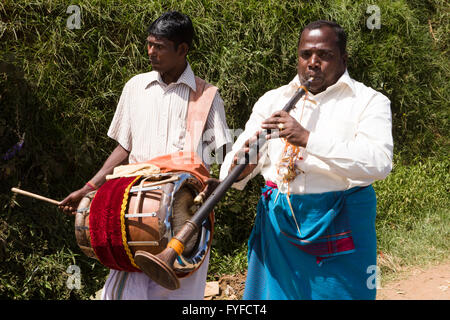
x=350 y=142
x=150 y=119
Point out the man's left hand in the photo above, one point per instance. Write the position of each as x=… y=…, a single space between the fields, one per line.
x=211 y=185
x=286 y=127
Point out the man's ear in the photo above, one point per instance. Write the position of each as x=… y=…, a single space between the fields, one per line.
x=183 y=49
x=345 y=59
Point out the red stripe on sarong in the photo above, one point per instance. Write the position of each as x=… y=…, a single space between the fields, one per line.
x=327 y=247
x=323 y=247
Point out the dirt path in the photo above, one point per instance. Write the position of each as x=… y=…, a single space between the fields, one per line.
x=428 y=283
x=431 y=283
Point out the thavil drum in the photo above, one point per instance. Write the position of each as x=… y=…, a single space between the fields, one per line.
x=128 y=214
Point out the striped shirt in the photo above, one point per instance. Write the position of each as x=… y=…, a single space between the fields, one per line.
x=150 y=119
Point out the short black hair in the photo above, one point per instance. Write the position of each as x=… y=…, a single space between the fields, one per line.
x=174 y=26
x=338 y=30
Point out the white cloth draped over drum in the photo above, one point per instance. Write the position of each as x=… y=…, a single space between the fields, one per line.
x=136 y=169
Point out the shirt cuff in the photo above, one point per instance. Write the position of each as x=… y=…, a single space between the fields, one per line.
x=123 y=142
x=240 y=185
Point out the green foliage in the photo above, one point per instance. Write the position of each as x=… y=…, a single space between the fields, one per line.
x=410 y=191
x=59 y=88
x=413 y=214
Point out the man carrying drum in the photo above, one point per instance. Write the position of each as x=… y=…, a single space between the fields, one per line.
x=314 y=234
x=150 y=121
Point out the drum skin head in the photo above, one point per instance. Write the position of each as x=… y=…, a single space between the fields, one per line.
x=157 y=270
x=183 y=201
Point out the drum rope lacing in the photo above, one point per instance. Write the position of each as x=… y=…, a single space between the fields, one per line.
x=122 y=222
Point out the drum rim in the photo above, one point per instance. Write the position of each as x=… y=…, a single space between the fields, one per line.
x=185 y=264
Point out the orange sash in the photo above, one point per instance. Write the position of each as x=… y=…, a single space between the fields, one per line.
x=200 y=102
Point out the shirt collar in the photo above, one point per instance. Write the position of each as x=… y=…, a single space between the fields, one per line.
x=343 y=80
x=187 y=78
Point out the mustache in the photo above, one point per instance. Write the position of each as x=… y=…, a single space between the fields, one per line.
x=316 y=75
x=310 y=77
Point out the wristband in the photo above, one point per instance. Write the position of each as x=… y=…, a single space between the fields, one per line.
x=91 y=185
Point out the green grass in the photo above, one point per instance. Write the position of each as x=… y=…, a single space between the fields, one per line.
x=413 y=223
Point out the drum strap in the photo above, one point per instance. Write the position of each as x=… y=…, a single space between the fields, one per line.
x=200 y=102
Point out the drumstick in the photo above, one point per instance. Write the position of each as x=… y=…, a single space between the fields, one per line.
x=157 y=183
x=32 y=195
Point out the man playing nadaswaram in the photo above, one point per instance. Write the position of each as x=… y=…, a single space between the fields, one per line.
x=314 y=234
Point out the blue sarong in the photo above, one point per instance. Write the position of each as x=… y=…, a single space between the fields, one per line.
x=327 y=252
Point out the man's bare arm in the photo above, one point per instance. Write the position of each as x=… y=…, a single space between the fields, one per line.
x=118 y=157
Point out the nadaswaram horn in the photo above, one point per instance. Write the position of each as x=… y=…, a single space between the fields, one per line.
x=160 y=267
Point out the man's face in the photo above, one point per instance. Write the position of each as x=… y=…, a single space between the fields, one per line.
x=320 y=57
x=163 y=55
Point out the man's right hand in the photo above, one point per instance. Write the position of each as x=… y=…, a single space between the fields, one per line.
x=70 y=204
